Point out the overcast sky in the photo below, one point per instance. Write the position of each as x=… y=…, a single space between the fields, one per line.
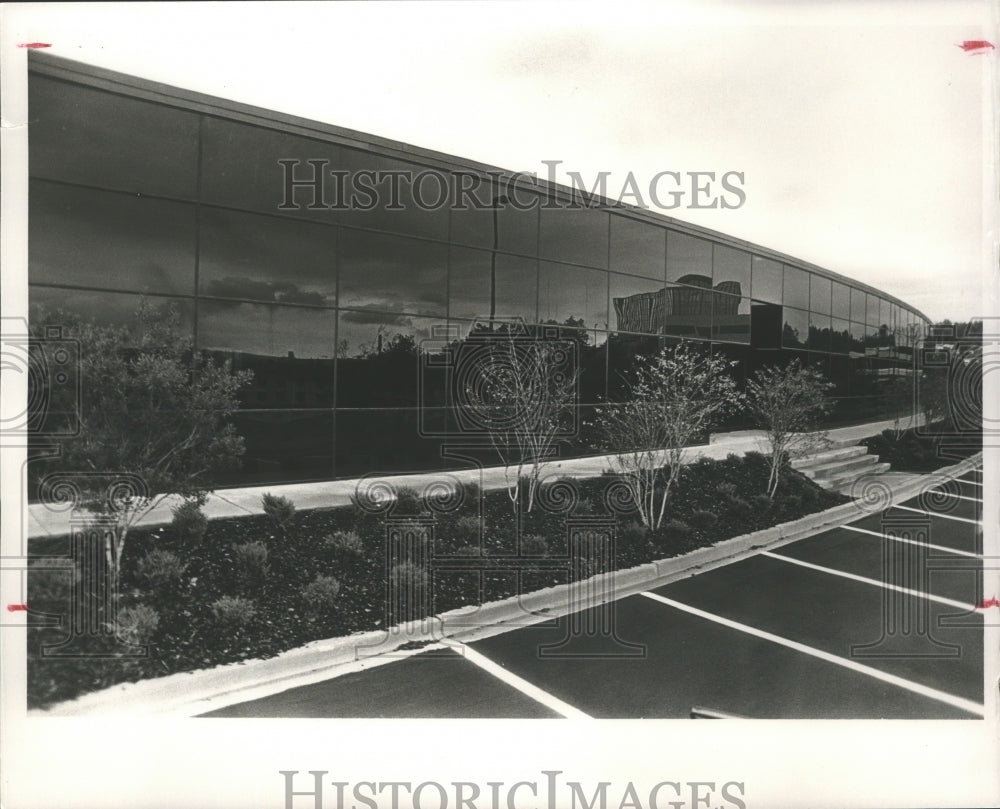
x=859 y=128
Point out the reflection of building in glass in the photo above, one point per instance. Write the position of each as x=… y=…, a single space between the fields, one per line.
x=138 y=189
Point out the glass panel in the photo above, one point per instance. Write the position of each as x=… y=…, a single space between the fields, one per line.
x=819 y=294
x=637 y=247
x=819 y=332
x=517 y=221
x=688 y=311
x=796 y=288
x=82 y=135
x=795 y=332
x=573 y=296
x=108 y=307
x=386 y=440
x=392 y=273
x=637 y=304
x=284 y=382
x=240 y=169
x=858 y=305
x=731 y=270
x=626 y=352
x=884 y=312
x=689 y=260
x=479 y=223
x=576 y=235
x=858 y=333
x=267 y=258
x=841 y=301
x=103 y=239
x=766 y=280
x=285 y=446
x=840 y=338
x=470 y=285
x=871 y=309
x=270 y=331
x=730 y=318
x=403 y=197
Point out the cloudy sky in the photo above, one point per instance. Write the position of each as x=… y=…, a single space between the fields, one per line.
x=858 y=127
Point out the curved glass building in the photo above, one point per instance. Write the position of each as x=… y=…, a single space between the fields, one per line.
x=294 y=248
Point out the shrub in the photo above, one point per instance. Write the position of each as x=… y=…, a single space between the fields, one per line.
x=136 y=625
x=409 y=576
x=672 y=535
x=738 y=511
x=250 y=567
x=345 y=543
x=160 y=571
x=702 y=521
x=726 y=490
x=279 y=509
x=408 y=503
x=320 y=595
x=233 y=612
x=760 y=503
x=468 y=528
x=189 y=522
x=534 y=545
x=469 y=550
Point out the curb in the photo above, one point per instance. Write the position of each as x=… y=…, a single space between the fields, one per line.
x=194 y=692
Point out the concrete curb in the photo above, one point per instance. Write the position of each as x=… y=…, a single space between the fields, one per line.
x=191 y=693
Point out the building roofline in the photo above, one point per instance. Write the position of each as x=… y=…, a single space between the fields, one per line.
x=58 y=67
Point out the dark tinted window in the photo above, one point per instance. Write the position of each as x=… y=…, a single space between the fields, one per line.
x=637 y=247
x=392 y=273
x=94 y=137
x=109 y=307
x=730 y=318
x=871 y=309
x=796 y=288
x=637 y=304
x=266 y=330
x=796 y=329
x=841 y=301
x=106 y=239
x=857 y=305
x=517 y=221
x=267 y=259
x=469 y=288
x=688 y=311
x=819 y=294
x=840 y=337
x=576 y=235
x=479 y=223
x=731 y=271
x=689 y=260
x=573 y=296
x=240 y=169
x=766 y=280
x=819 y=332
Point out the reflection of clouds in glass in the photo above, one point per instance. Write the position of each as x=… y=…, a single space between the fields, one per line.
x=266 y=330
x=376 y=313
x=271 y=291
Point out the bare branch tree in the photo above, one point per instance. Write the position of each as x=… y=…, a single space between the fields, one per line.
x=674 y=401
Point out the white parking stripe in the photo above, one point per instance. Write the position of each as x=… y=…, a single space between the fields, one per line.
x=970 y=482
x=936 y=492
x=522 y=685
x=942 y=516
x=909 y=685
x=913 y=542
x=866 y=580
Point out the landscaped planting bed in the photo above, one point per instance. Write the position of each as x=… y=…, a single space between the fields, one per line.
x=924 y=451
x=205 y=593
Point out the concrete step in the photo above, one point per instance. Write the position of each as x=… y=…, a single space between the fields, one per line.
x=843 y=482
x=827 y=455
x=834 y=468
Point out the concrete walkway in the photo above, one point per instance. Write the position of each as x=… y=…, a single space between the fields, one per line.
x=45 y=520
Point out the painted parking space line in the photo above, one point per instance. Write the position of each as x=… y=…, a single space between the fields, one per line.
x=949 y=699
x=864 y=579
x=978 y=483
x=942 y=493
x=936 y=514
x=544 y=697
x=929 y=545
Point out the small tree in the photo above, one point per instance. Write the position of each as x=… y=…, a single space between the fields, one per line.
x=151 y=407
x=787 y=403
x=523 y=390
x=674 y=400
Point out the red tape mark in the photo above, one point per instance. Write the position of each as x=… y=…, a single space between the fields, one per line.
x=35 y=45
x=971 y=45
x=17 y=608
x=990 y=603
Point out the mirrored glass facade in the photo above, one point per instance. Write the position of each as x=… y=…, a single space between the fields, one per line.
x=341 y=305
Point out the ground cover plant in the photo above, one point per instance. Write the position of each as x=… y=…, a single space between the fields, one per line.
x=925 y=450
x=199 y=593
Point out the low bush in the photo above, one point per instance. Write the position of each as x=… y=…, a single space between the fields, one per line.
x=279 y=509
x=534 y=545
x=345 y=543
x=137 y=625
x=319 y=596
x=250 y=566
x=189 y=522
x=160 y=571
x=233 y=612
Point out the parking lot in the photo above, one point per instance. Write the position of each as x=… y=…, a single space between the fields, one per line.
x=873 y=619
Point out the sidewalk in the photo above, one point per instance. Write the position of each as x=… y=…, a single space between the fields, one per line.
x=43 y=520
